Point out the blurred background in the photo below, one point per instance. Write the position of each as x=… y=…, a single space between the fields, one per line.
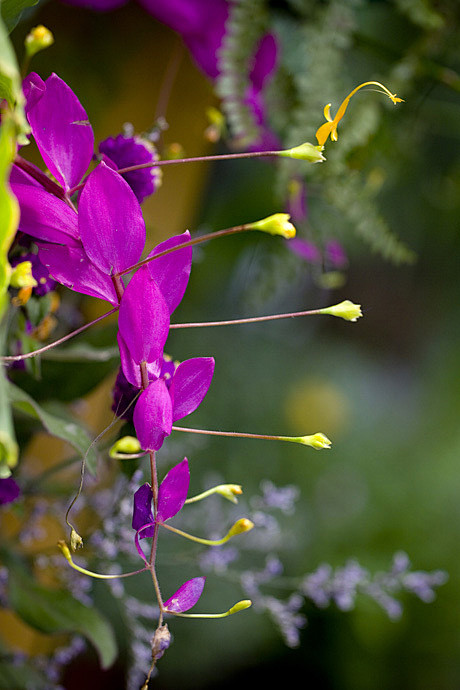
x=385 y=390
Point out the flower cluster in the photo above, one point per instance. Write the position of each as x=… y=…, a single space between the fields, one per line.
x=86 y=224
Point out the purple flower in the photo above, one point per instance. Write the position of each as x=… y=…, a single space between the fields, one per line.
x=82 y=251
x=122 y=152
x=335 y=254
x=167 y=400
x=9 y=490
x=305 y=249
x=186 y=596
x=264 y=65
x=171 y=498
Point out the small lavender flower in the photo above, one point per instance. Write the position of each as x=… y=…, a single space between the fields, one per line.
x=282 y=498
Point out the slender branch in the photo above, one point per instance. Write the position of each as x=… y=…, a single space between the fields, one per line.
x=196 y=159
x=196 y=240
x=45 y=348
x=38 y=175
x=233 y=434
x=168 y=79
x=252 y=319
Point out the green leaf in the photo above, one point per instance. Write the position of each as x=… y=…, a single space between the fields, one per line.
x=12 y=10
x=83 y=352
x=11 y=89
x=8 y=447
x=21 y=677
x=10 y=79
x=57 y=425
x=9 y=208
x=56 y=611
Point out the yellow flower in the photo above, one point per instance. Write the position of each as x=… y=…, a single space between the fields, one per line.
x=330 y=127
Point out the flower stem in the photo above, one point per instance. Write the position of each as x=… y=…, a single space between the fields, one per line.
x=40 y=177
x=196 y=240
x=234 y=434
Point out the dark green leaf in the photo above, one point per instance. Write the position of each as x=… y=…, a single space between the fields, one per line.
x=55 y=611
x=57 y=425
x=12 y=10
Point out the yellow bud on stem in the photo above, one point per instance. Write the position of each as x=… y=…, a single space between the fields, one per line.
x=276 y=224
x=304 y=152
x=38 y=39
x=345 y=310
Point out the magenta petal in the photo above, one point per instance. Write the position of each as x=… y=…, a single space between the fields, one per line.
x=173 y=491
x=71 y=267
x=142 y=511
x=190 y=384
x=171 y=272
x=153 y=416
x=112 y=228
x=143 y=319
x=63 y=134
x=186 y=596
x=33 y=88
x=132 y=370
x=44 y=216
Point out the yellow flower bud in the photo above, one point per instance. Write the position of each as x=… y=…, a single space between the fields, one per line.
x=277 y=224
x=38 y=39
x=345 y=310
x=21 y=276
x=304 y=152
x=240 y=606
x=229 y=491
x=317 y=441
x=240 y=526
x=128 y=445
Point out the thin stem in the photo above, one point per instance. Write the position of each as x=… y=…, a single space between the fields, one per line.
x=233 y=434
x=196 y=240
x=196 y=159
x=198 y=540
x=200 y=159
x=45 y=348
x=118 y=286
x=169 y=79
x=252 y=319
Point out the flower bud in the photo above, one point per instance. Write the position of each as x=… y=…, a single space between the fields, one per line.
x=229 y=491
x=21 y=276
x=240 y=526
x=38 y=39
x=346 y=310
x=304 y=152
x=240 y=606
x=277 y=224
x=317 y=441
x=127 y=445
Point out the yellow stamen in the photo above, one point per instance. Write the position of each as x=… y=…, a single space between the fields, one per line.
x=330 y=127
